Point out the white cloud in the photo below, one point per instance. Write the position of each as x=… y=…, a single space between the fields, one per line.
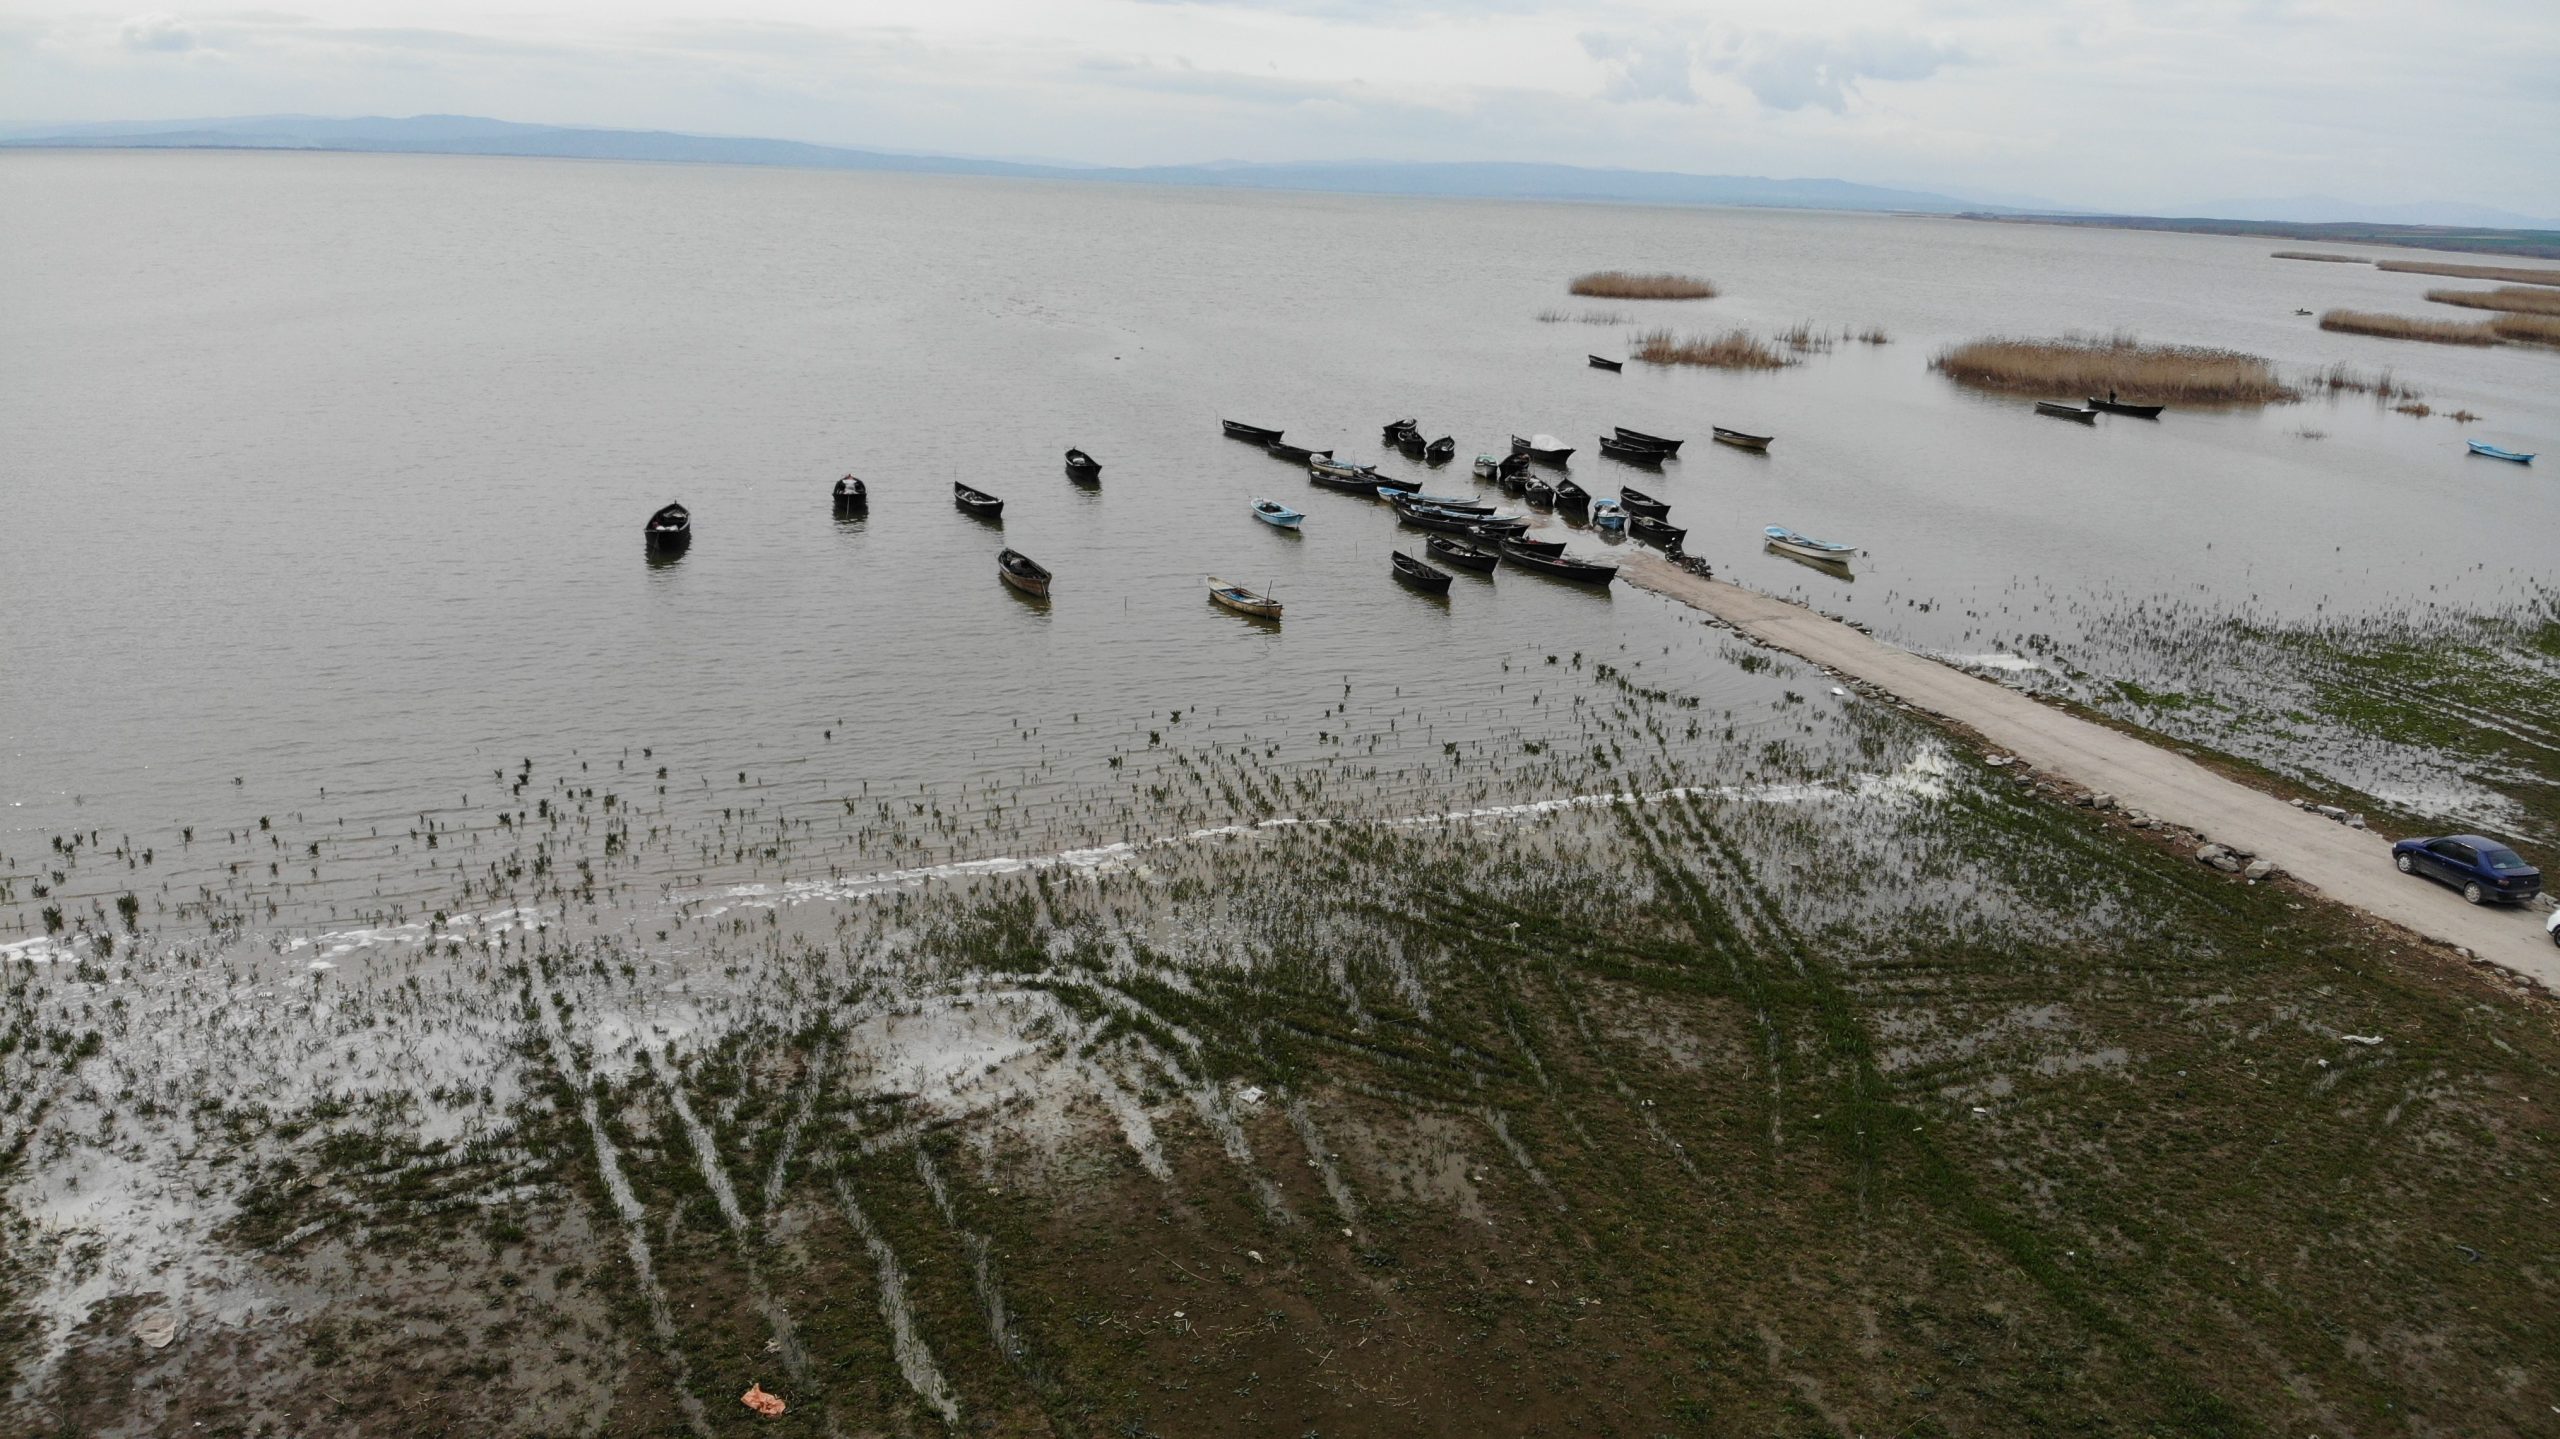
x=162 y=34
x=1790 y=72
x=1643 y=68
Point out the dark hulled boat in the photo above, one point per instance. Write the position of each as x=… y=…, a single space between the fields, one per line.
x=1419 y=575
x=1560 y=566
x=1082 y=467
x=1297 y=453
x=1611 y=365
x=1343 y=475
x=1458 y=552
x=1395 y=431
x=1548 y=548
x=1424 y=517
x=1570 y=496
x=1251 y=434
x=1516 y=463
x=1627 y=454
x=1654 y=532
x=1397 y=483
x=1442 y=450
x=1542 y=448
x=1023 y=573
x=1539 y=493
x=1637 y=502
x=976 y=502
x=2066 y=412
x=2118 y=407
x=669 y=531
x=851 y=497
x=1741 y=440
x=1512 y=482
x=1639 y=437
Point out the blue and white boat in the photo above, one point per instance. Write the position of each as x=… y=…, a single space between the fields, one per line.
x=1608 y=515
x=2483 y=447
x=1787 y=541
x=1272 y=512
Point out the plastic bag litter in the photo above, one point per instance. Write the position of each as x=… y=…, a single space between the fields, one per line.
x=768 y=1405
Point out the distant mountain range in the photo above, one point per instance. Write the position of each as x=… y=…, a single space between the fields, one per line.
x=2466 y=227
x=472 y=135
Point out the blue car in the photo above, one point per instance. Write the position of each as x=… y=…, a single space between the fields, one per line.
x=2482 y=869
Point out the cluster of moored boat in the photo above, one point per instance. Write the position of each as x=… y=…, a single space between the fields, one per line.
x=1463 y=533
x=2088 y=414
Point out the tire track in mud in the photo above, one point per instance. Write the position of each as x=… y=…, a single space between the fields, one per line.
x=982 y=1278
x=915 y=1360
x=626 y=1205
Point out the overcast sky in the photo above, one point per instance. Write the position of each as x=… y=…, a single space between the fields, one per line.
x=2108 y=104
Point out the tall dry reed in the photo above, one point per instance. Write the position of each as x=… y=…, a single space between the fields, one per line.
x=2316 y=255
x=1732 y=350
x=2403 y=327
x=2529 y=329
x=2505 y=273
x=1621 y=285
x=2521 y=299
x=2137 y=373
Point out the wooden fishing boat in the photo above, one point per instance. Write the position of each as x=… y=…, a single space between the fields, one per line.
x=669 y=530
x=1560 y=566
x=1298 y=453
x=1516 y=463
x=2066 y=412
x=1637 y=502
x=1081 y=466
x=1512 y=484
x=1612 y=366
x=1608 y=514
x=1639 y=437
x=1653 y=531
x=976 y=502
x=1458 y=552
x=1442 y=450
x=1545 y=449
x=1462 y=504
x=1411 y=443
x=2483 y=447
x=1424 y=517
x=1350 y=479
x=851 y=497
x=1487 y=467
x=1022 y=572
x=1272 y=512
x=2118 y=407
x=1493 y=529
x=1627 y=454
x=1570 y=496
x=1789 y=542
x=1548 y=548
x=1539 y=494
x=1397 y=483
x=1741 y=441
x=1254 y=434
x=1419 y=575
x=1393 y=428
x=1243 y=601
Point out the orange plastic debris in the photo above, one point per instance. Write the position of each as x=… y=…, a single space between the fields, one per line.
x=768 y=1405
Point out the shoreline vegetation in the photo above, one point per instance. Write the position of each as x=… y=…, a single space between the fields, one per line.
x=2138 y=373
x=1623 y=285
x=1732 y=350
x=2507 y=274
x=2516 y=299
x=2529 y=329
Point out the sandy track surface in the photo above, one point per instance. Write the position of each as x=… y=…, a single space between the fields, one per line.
x=2351 y=866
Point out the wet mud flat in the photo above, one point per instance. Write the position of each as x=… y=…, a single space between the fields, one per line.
x=1814 y=1077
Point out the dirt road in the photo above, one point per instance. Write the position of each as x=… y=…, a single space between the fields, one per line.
x=2351 y=866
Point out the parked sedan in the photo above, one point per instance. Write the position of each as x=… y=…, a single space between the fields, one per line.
x=2482 y=869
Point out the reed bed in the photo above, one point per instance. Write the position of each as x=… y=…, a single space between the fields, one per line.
x=2404 y=327
x=2507 y=274
x=1732 y=350
x=2527 y=329
x=2522 y=299
x=2346 y=379
x=2317 y=255
x=2135 y=372
x=1623 y=285
x=1804 y=339
x=1552 y=316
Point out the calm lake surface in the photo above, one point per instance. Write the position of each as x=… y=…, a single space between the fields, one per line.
x=327 y=474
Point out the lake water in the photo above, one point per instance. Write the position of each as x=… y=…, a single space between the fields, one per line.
x=327 y=475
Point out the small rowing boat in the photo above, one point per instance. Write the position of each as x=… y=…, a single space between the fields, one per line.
x=1419 y=575
x=1545 y=449
x=1083 y=467
x=1639 y=437
x=1023 y=573
x=851 y=497
x=1458 y=552
x=1462 y=504
x=1612 y=366
x=669 y=530
x=1336 y=474
x=2066 y=412
x=976 y=502
x=1251 y=434
x=1488 y=467
x=1570 y=496
x=1627 y=454
x=1740 y=440
x=1637 y=502
x=1546 y=548
x=2483 y=447
x=1441 y=451
x=1654 y=532
x=1607 y=514
x=1243 y=601
x=1539 y=494
x=1560 y=566
x=1300 y=454
x=1805 y=546
x=1272 y=512
x=2118 y=407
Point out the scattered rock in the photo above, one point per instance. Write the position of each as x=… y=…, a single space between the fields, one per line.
x=2331 y=810
x=2103 y=801
x=2261 y=869
x=2355 y=821
x=1998 y=761
x=2208 y=853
